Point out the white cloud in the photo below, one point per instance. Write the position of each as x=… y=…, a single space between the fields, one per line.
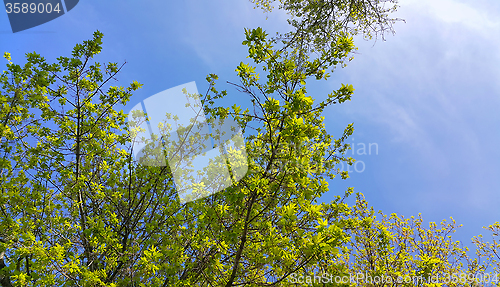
x=453 y=12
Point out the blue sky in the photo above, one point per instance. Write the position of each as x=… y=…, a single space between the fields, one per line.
x=429 y=97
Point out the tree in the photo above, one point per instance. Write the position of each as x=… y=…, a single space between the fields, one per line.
x=322 y=28
x=402 y=251
x=56 y=149
x=491 y=254
x=78 y=210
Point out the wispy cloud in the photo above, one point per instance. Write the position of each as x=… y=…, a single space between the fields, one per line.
x=433 y=93
x=473 y=15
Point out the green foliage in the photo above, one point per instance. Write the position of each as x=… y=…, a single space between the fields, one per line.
x=324 y=28
x=490 y=252
x=401 y=248
x=76 y=209
x=290 y=155
x=62 y=156
x=404 y=252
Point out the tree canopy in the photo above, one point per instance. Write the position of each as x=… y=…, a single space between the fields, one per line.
x=78 y=209
x=324 y=28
